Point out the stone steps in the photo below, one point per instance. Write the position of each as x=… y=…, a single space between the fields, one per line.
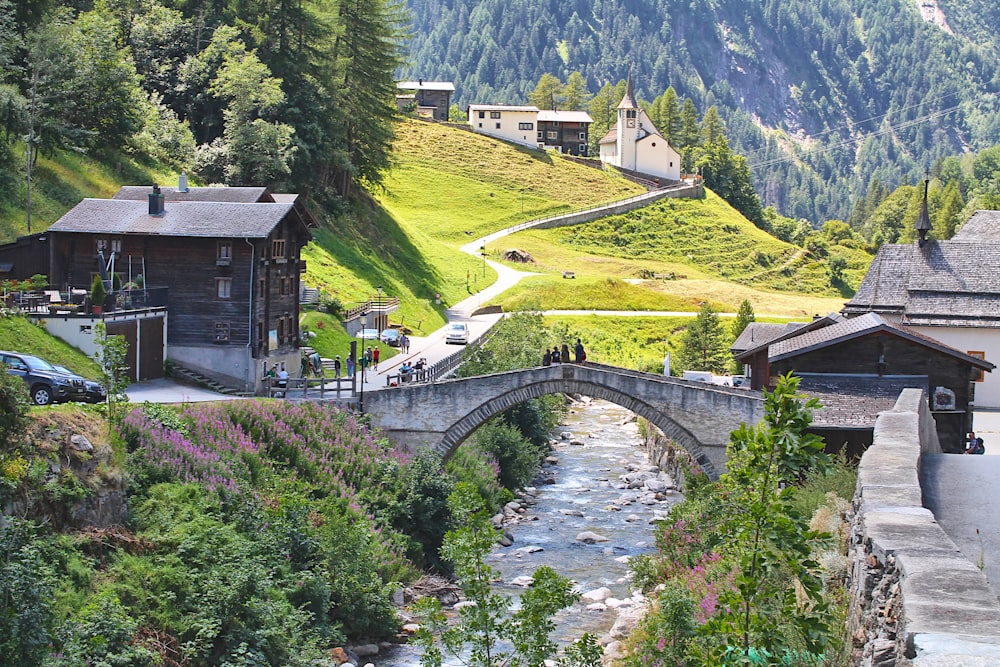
x=196 y=378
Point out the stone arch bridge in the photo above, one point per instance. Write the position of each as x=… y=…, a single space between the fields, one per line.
x=441 y=415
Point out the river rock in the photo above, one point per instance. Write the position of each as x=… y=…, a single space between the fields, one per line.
x=365 y=650
x=549 y=480
x=411 y=628
x=590 y=537
x=80 y=443
x=597 y=595
x=576 y=443
x=571 y=512
x=656 y=485
x=523 y=580
x=531 y=549
x=565 y=435
x=627 y=621
x=464 y=603
x=497 y=520
x=632 y=518
x=614 y=651
x=596 y=606
x=512 y=507
x=552 y=460
x=506 y=540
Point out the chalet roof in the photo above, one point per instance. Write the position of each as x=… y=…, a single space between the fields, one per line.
x=856 y=327
x=761 y=333
x=549 y=115
x=983 y=226
x=219 y=194
x=943 y=280
x=790 y=331
x=186 y=219
x=502 y=107
x=426 y=85
x=854 y=401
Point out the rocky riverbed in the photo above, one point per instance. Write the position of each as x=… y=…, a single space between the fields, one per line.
x=590 y=511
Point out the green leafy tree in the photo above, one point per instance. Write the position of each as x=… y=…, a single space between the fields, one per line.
x=548 y=92
x=14 y=405
x=112 y=355
x=703 y=344
x=767 y=538
x=576 y=96
x=484 y=625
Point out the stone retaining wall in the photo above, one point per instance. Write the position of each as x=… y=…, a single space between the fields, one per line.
x=915 y=599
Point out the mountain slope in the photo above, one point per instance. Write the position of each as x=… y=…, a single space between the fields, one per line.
x=822 y=97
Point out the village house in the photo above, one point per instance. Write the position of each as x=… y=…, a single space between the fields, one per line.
x=634 y=143
x=430 y=99
x=942 y=289
x=226 y=261
x=857 y=367
x=564 y=131
x=516 y=124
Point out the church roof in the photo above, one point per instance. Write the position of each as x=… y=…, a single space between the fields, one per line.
x=982 y=226
x=628 y=101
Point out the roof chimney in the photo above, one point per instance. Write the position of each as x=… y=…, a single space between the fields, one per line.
x=156 y=201
x=923 y=220
x=182 y=182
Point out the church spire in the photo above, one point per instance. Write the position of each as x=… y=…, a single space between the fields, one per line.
x=923 y=220
x=628 y=102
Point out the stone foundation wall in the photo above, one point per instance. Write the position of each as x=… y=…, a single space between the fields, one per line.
x=915 y=600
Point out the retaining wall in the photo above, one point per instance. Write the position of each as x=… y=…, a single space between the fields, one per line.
x=915 y=599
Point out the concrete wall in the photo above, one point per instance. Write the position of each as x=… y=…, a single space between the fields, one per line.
x=621 y=207
x=914 y=598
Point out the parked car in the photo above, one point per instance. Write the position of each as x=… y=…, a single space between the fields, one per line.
x=46 y=384
x=391 y=337
x=457 y=333
x=96 y=393
x=367 y=334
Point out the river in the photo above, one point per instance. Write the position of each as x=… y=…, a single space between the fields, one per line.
x=587 y=495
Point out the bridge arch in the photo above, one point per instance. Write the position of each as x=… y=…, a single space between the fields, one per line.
x=441 y=415
x=458 y=432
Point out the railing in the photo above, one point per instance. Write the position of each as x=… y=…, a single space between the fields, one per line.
x=311 y=387
x=383 y=306
x=77 y=301
x=440 y=368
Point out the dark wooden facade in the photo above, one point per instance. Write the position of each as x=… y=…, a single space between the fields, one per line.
x=25 y=257
x=256 y=304
x=571 y=138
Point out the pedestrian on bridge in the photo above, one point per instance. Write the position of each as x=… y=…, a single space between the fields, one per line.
x=564 y=354
x=547 y=358
x=581 y=355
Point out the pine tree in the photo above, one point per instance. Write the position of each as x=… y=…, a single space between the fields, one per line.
x=670 y=115
x=703 y=345
x=548 y=93
x=744 y=317
x=575 y=94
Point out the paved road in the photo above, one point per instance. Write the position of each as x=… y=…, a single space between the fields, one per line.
x=961 y=491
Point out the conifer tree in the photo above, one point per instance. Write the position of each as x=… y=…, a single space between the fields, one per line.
x=548 y=93
x=703 y=345
x=575 y=94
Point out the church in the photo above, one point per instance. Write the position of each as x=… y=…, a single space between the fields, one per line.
x=634 y=144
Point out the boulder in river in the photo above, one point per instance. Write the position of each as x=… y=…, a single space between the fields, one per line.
x=590 y=537
x=523 y=580
x=597 y=595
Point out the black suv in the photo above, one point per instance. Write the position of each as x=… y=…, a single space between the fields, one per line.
x=45 y=382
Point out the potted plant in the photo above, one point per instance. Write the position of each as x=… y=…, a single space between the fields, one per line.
x=97 y=296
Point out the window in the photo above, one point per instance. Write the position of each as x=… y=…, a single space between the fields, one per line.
x=525 y=126
x=498 y=126
x=552 y=134
x=583 y=149
x=480 y=125
x=224 y=253
x=278 y=249
x=482 y=114
x=978 y=374
x=100 y=245
x=261 y=288
x=630 y=113
x=260 y=335
x=281 y=328
x=116 y=245
x=583 y=136
x=541 y=135
x=222 y=332
x=223 y=288
x=494 y=114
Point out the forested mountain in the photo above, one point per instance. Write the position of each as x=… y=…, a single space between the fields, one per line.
x=823 y=97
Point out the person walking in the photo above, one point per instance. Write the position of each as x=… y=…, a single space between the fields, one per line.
x=350 y=366
x=564 y=354
x=375 y=353
x=555 y=355
x=336 y=367
x=304 y=365
x=581 y=354
x=365 y=359
x=547 y=358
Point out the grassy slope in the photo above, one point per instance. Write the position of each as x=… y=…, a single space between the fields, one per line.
x=714 y=253
x=22 y=335
x=61 y=180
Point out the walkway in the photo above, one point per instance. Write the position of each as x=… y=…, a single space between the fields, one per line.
x=962 y=493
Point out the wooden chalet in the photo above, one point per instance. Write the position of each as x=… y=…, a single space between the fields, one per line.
x=858 y=366
x=565 y=131
x=228 y=259
x=431 y=99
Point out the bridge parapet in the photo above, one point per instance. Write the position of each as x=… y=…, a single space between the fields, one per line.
x=915 y=599
x=442 y=415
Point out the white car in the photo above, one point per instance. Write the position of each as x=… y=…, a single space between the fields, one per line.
x=457 y=333
x=367 y=334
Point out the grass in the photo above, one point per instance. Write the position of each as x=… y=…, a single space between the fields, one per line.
x=630 y=342
x=20 y=334
x=332 y=339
